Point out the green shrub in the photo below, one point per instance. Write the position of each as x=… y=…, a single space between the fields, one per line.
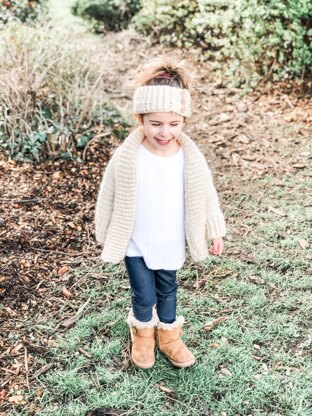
x=20 y=10
x=52 y=91
x=111 y=15
x=272 y=37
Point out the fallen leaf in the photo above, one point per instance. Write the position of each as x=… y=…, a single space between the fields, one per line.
x=243 y=139
x=221 y=118
x=250 y=158
x=57 y=175
x=2 y=394
x=168 y=391
x=303 y=243
x=63 y=270
x=265 y=367
x=213 y=345
x=299 y=166
x=16 y=349
x=26 y=279
x=225 y=371
x=210 y=325
x=18 y=399
x=66 y=293
x=225 y=311
x=257 y=280
x=39 y=393
x=163 y=388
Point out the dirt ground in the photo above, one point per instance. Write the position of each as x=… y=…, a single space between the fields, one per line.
x=47 y=209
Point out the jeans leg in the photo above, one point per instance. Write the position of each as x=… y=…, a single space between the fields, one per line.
x=166 y=289
x=143 y=290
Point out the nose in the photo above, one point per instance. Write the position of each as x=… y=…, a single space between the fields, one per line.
x=164 y=132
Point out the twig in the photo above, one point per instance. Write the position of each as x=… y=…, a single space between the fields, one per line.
x=41 y=77
x=70 y=254
x=95 y=382
x=18 y=201
x=82 y=351
x=76 y=283
x=61 y=112
x=197 y=281
x=85 y=110
x=9 y=371
x=26 y=366
x=70 y=322
x=42 y=370
x=38 y=348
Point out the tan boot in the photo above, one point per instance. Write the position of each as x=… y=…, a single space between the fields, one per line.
x=170 y=344
x=143 y=341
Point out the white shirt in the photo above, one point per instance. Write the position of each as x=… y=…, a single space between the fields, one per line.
x=158 y=235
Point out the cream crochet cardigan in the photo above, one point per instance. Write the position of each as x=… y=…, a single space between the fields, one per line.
x=116 y=203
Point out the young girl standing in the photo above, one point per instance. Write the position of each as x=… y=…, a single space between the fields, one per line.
x=156 y=196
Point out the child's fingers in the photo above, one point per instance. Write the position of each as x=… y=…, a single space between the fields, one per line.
x=214 y=250
x=217 y=248
x=220 y=248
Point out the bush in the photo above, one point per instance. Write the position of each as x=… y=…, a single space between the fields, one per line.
x=272 y=37
x=110 y=15
x=20 y=10
x=52 y=94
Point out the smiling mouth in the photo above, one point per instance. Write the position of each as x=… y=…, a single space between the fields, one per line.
x=163 y=142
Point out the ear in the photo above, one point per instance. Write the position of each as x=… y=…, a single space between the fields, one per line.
x=139 y=118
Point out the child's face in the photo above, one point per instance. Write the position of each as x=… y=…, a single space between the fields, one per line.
x=162 y=129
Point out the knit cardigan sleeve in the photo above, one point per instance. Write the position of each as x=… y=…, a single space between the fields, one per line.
x=215 y=220
x=105 y=201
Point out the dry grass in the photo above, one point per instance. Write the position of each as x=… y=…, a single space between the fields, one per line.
x=51 y=85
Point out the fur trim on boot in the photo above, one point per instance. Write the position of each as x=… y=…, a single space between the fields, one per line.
x=171 y=345
x=178 y=323
x=132 y=321
x=143 y=340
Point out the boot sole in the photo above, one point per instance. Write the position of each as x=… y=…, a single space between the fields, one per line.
x=142 y=366
x=180 y=365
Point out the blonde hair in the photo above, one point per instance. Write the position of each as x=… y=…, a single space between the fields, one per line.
x=154 y=73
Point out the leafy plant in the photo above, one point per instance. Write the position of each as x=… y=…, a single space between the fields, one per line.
x=111 y=15
x=20 y=10
x=272 y=38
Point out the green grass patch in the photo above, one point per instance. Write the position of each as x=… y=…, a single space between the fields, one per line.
x=256 y=362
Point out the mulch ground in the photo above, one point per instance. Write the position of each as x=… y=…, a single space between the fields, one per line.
x=47 y=209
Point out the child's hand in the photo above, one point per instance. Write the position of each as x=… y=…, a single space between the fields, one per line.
x=217 y=246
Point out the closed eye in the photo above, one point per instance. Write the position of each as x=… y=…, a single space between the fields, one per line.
x=158 y=125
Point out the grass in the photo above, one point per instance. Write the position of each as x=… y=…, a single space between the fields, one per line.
x=68 y=104
x=257 y=362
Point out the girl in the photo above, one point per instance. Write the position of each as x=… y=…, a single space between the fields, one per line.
x=157 y=195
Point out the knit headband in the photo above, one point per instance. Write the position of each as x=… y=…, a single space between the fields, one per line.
x=162 y=99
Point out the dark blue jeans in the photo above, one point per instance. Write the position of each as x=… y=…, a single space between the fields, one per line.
x=150 y=287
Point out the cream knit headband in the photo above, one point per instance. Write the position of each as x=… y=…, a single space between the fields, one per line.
x=162 y=99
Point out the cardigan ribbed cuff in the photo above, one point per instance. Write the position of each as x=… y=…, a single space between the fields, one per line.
x=216 y=226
